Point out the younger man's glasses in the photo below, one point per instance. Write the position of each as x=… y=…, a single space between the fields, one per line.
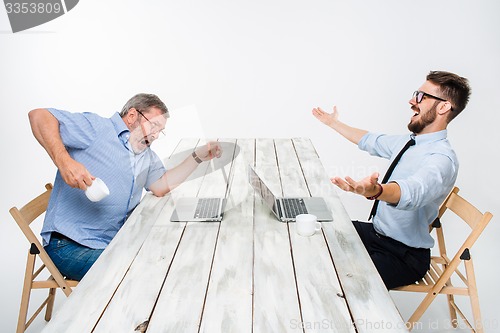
x=419 y=96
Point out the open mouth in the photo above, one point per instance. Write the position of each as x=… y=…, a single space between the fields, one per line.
x=416 y=111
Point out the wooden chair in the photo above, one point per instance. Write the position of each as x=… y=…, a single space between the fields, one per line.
x=24 y=216
x=438 y=279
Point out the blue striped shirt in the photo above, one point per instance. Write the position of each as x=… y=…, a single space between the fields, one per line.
x=101 y=145
x=426 y=173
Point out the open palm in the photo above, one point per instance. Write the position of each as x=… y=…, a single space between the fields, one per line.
x=326 y=118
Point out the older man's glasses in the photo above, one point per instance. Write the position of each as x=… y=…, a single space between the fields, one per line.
x=155 y=126
x=419 y=96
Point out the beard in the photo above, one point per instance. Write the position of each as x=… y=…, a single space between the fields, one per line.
x=139 y=147
x=427 y=118
x=138 y=142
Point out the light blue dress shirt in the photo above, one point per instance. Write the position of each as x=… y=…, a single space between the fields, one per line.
x=426 y=173
x=101 y=145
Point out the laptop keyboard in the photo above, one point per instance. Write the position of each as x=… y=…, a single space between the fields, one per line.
x=207 y=208
x=294 y=207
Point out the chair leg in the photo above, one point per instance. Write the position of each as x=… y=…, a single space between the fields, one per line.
x=474 y=299
x=453 y=312
x=25 y=298
x=421 y=309
x=50 y=304
x=451 y=301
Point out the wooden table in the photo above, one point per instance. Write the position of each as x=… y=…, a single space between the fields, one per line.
x=248 y=273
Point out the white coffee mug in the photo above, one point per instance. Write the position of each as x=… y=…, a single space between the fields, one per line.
x=97 y=191
x=307 y=224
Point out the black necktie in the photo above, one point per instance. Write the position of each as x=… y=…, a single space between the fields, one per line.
x=389 y=172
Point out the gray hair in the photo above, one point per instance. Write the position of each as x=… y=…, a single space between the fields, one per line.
x=143 y=102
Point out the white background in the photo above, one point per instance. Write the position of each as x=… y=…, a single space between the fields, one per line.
x=256 y=69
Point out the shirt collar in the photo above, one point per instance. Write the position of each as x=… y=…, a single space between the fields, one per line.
x=430 y=137
x=121 y=129
x=119 y=124
x=123 y=133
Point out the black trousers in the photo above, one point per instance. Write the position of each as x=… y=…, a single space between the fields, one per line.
x=398 y=264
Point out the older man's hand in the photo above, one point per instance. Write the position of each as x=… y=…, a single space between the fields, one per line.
x=210 y=150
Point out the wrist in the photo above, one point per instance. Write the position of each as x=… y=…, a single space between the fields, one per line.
x=196 y=158
x=380 y=191
x=61 y=159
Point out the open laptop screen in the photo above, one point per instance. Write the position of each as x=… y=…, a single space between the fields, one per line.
x=262 y=189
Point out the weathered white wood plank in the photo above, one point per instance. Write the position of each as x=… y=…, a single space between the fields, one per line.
x=182 y=150
x=291 y=178
x=191 y=186
x=369 y=302
x=276 y=305
x=228 y=305
x=180 y=303
x=98 y=285
x=215 y=182
x=134 y=300
x=318 y=286
x=209 y=281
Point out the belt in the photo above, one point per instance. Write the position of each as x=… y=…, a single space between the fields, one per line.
x=57 y=235
x=399 y=244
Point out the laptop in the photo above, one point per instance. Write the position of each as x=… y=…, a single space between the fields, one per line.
x=286 y=209
x=198 y=210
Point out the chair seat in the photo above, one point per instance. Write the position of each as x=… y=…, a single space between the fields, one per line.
x=428 y=282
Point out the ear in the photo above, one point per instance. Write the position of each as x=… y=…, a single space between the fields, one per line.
x=131 y=116
x=444 y=107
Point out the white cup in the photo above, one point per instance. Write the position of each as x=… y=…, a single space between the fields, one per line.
x=97 y=191
x=307 y=224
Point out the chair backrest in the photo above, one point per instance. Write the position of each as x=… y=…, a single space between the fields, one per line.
x=24 y=217
x=29 y=212
x=476 y=220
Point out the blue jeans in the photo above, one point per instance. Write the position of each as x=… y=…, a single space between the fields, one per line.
x=71 y=258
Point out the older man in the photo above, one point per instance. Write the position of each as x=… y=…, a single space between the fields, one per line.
x=84 y=146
